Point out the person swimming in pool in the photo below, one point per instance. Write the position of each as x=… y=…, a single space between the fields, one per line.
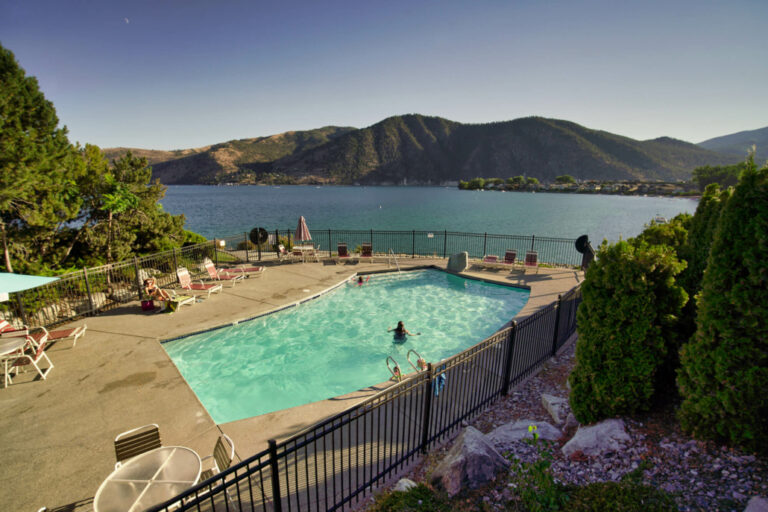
x=401 y=333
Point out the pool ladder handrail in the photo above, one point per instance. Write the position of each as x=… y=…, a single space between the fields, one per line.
x=418 y=358
x=395 y=258
x=396 y=376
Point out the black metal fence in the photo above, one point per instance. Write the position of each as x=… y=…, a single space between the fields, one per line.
x=441 y=244
x=333 y=464
x=92 y=290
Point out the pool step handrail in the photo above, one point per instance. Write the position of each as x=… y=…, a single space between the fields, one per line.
x=395 y=258
x=421 y=363
x=397 y=374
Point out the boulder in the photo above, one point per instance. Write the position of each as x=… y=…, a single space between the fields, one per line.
x=504 y=436
x=757 y=504
x=601 y=438
x=471 y=462
x=458 y=262
x=571 y=421
x=404 y=484
x=556 y=407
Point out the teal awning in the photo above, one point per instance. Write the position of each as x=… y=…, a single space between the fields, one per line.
x=10 y=283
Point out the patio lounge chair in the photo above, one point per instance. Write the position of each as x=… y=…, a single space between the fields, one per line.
x=249 y=271
x=490 y=261
x=136 y=441
x=366 y=251
x=532 y=260
x=60 y=334
x=6 y=330
x=30 y=354
x=343 y=252
x=185 y=281
x=510 y=256
x=217 y=275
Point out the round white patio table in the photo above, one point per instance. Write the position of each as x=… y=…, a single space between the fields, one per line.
x=148 y=479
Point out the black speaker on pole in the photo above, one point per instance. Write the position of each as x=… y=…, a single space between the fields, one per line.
x=584 y=247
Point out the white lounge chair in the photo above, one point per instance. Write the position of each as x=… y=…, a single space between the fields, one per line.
x=186 y=283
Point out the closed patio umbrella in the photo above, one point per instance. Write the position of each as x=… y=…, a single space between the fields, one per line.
x=302 y=232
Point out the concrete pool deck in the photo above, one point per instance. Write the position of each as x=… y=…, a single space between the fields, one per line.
x=57 y=434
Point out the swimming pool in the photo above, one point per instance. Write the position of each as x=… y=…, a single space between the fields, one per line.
x=338 y=343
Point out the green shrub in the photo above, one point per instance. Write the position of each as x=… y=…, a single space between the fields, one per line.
x=724 y=374
x=627 y=327
x=619 y=497
x=192 y=238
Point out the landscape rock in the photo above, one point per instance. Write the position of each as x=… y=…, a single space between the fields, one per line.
x=404 y=484
x=556 y=407
x=571 y=421
x=596 y=440
x=504 y=436
x=757 y=504
x=471 y=462
x=458 y=262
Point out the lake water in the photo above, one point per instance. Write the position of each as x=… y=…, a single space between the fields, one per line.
x=224 y=211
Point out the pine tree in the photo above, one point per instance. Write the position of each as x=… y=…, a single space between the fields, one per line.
x=724 y=373
x=38 y=167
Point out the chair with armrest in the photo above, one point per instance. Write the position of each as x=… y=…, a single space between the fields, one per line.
x=366 y=251
x=136 y=441
x=532 y=260
x=29 y=352
x=186 y=283
x=217 y=275
x=221 y=459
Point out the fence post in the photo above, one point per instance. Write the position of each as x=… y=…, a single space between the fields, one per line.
x=278 y=506
x=245 y=238
x=510 y=355
x=139 y=288
x=445 y=242
x=427 y=410
x=413 y=245
x=371 y=244
x=258 y=246
x=175 y=260
x=485 y=243
x=88 y=287
x=533 y=239
x=277 y=243
x=557 y=323
x=329 y=243
x=216 y=251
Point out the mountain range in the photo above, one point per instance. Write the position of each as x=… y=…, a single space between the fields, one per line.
x=738 y=144
x=416 y=149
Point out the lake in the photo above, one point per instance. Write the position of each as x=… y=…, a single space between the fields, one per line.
x=223 y=211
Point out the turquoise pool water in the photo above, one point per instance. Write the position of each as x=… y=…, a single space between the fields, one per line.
x=338 y=342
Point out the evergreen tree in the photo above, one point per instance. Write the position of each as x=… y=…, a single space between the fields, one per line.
x=627 y=328
x=724 y=373
x=38 y=168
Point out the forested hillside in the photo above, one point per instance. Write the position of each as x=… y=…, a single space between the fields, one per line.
x=417 y=149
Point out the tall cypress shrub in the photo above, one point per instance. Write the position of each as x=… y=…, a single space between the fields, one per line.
x=724 y=374
x=626 y=325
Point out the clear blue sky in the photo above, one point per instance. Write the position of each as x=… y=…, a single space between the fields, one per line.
x=177 y=74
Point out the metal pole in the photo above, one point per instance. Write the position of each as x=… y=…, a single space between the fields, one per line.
x=533 y=239
x=278 y=506
x=510 y=355
x=277 y=243
x=413 y=245
x=329 y=243
x=485 y=243
x=139 y=288
x=557 y=323
x=88 y=287
x=216 y=251
x=245 y=238
x=427 y=410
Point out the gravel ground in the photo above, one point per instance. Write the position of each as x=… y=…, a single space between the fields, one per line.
x=701 y=476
